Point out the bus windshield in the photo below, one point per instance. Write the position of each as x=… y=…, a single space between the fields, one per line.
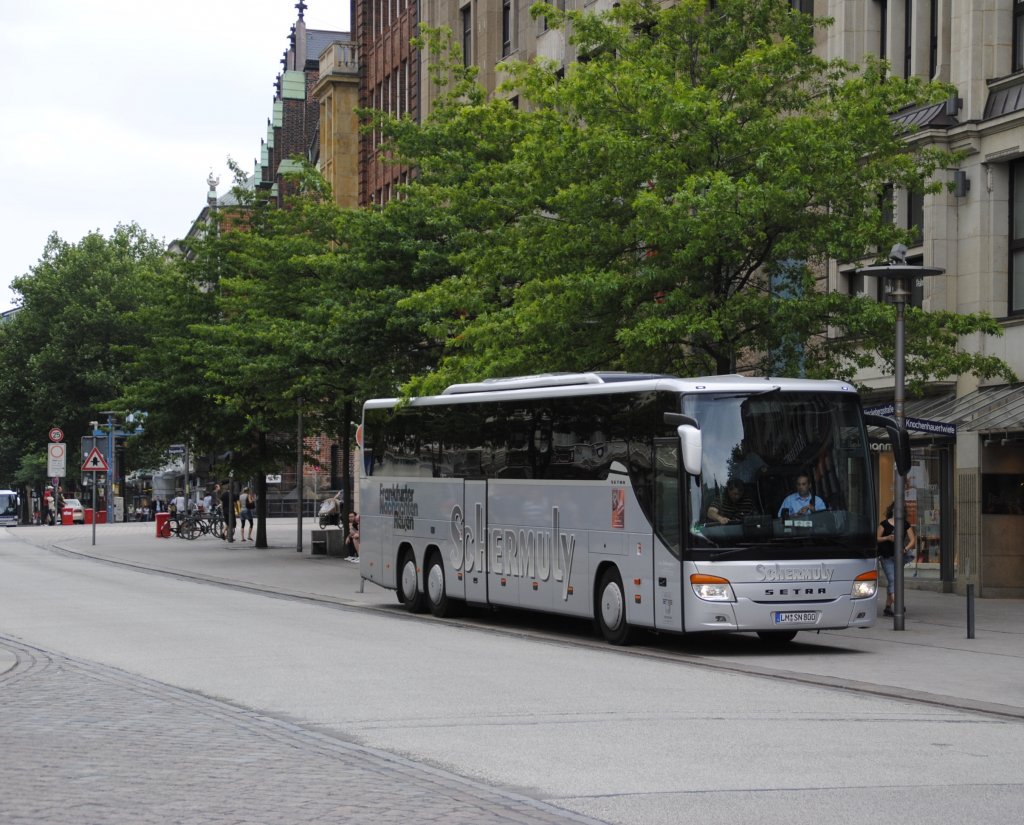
x=783 y=475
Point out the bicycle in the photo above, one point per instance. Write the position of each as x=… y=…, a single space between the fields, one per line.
x=171 y=527
x=215 y=522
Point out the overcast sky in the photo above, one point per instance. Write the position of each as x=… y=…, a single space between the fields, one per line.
x=117 y=111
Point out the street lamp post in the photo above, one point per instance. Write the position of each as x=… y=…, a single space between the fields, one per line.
x=299 y=462
x=898 y=275
x=111 y=425
x=94 y=425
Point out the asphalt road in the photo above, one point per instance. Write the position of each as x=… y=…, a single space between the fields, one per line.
x=334 y=712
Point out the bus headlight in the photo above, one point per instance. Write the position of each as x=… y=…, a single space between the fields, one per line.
x=865 y=585
x=712 y=588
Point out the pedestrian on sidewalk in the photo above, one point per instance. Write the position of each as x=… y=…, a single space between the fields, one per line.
x=227 y=504
x=49 y=507
x=352 y=538
x=886 y=542
x=248 y=512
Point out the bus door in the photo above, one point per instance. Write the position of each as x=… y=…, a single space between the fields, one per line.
x=474 y=541
x=668 y=535
x=503 y=518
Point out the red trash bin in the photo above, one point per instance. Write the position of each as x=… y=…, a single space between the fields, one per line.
x=88 y=515
x=161 y=526
x=67 y=515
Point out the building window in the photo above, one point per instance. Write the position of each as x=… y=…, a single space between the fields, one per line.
x=933 y=37
x=915 y=217
x=885 y=203
x=883 y=24
x=507 y=24
x=908 y=36
x=1016 y=291
x=864 y=285
x=558 y=4
x=467 y=36
x=1018 y=35
x=403 y=88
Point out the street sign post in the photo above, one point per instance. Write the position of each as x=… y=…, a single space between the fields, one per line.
x=94 y=463
x=56 y=459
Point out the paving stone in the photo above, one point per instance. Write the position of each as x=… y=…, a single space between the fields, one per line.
x=84 y=743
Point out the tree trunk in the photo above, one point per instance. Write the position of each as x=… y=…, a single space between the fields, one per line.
x=261 y=495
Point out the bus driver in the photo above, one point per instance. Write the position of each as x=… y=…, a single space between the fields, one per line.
x=802 y=502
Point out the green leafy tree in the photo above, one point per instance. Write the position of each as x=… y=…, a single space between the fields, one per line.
x=668 y=203
x=67 y=350
x=277 y=311
x=198 y=378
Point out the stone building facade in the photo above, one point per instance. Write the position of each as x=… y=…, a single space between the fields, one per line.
x=966 y=491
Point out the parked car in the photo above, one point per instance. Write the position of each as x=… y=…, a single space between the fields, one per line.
x=77 y=511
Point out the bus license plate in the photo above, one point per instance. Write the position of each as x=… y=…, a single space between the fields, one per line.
x=807 y=617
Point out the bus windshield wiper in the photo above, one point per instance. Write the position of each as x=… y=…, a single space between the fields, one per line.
x=739 y=548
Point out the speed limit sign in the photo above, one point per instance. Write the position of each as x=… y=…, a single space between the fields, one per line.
x=56 y=434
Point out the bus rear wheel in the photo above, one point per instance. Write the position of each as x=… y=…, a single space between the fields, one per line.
x=437 y=593
x=409 y=592
x=610 y=609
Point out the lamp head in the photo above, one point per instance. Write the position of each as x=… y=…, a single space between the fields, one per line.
x=898 y=254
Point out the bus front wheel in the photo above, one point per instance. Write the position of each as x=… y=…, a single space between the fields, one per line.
x=610 y=609
x=409 y=592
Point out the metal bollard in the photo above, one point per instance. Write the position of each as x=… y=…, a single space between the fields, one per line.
x=970 y=611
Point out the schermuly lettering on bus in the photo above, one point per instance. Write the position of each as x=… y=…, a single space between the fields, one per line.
x=813 y=573
x=543 y=554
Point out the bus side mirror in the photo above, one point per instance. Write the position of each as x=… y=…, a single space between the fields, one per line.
x=691 y=446
x=690 y=440
x=899 y=438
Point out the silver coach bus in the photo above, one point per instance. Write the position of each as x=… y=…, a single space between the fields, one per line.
x=588 y=495
x=8 y=508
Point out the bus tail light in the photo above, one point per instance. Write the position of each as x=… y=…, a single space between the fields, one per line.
x=712 y=588
x=865 y=585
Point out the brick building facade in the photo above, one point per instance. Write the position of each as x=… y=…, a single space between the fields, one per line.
x=390 y=83
x=292 y=129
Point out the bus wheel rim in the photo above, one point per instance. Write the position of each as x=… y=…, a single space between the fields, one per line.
x=409 y=579
x=611 y=606
x=435 y=583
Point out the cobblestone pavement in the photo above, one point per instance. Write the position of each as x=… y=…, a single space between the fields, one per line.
x=87 y=744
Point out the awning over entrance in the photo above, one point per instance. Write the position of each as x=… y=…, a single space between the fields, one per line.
x=986 y=410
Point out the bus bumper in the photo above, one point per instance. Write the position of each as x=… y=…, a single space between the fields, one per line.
x=747 y=615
